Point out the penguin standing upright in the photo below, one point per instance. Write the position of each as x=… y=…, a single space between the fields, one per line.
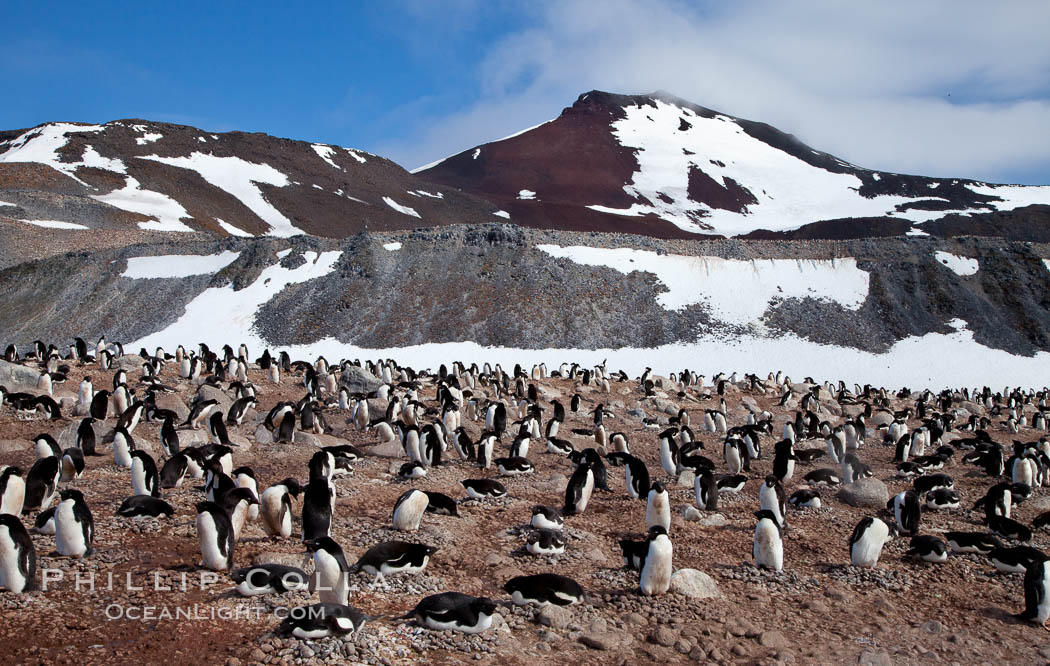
x=655 y=577
x=72 y=464
x=41 y=484
x=658 y=508
x=123 y=445
x=768 y=548
x=771 y=498
x=74 y=526
x=636 y=476
x=169 y=436
x=216 y=536
x=86 y=437
x=409 y=510
x=237 y=502
x=276 y=507
x=17 y=556
x=331 y=578
x=1036 y=592
x=669 y=454
x=867 y=540
x=318 y=498
x=578 y=490
x=705 y=487
x=906 y=512
x=732 y=455
x=784 y=460
x=144 y=477
x=12 y=490
x=244 y=477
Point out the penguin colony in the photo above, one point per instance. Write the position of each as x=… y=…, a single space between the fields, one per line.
x=493 y=427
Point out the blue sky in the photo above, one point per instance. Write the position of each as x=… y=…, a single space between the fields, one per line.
x=943 y=87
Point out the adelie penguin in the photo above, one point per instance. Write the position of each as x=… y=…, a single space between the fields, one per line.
x=545 y=542
x=544 y=589
x=928 y=548
x=784 y=459
x=276 y=507
x=441 y=504
x=216 y=536
x=17 y=556
x=86 y=437
x=705 y=489
x=972 y=542
x=41 y=484
x=636 y=476
x=768 y=547
x=74 y=525
x=1036 y=593
x=318 y=498
x=546 y=518
x=578 y=490
x=805 y=498
x=331 y=578
x=483 y=488
x=906 y=512
x=395 y=557
x=144 y=505
x=409 y=510
x=771 y=498
x=658 y=507
x=322 y=620
x=237 y=503
x=269 y=579
x=144 y=477
x=72 y=464
x=12 y=490
x=655 y=576
x=514 y=466
x=454 y=611
x=867 y=540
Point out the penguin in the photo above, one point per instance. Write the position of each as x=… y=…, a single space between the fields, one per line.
x=1015 y=559
x=771 y=498
x=239 y=408
x=412 y=470
x=545 y=542
x=906 y=512
x=169 y=436
x=634 y=553
x=514 y=466
x=12 y=490
x=318 y=500
x=123 y=445
x=559 y=446
x=925 y=484
x=331 y=579
x=17 y=556
x=546 y=518
x=441 y=504
x=41 y=484
x=866 y=542
x=942 y=498
x=768 y=548
x=86 y=437
x=216 y=536
x=705 y=488
x=784 y=460
x=809 y=455
x=483 y=488
x=99 y=409
x=544 y=589
x=144 y=477
x=322 y=620
x=636 y=476
x=394 y=557
x=972 y=542
x=486 y=444
x=237 y=502
x=578 y=490
x=1036 y=593
x=730 y=483
x=276 y=507
x=269 y=579
x=174 y=470
x=74 y=525
x=1008 y=528
x=45 y=445
x=202 y=411
x=822 y=477
x=658 y=507
x=144 y=505
x=454 y=611
x=72 y=464
x=655 y=576
x=805 y=498
x=732 y=455
x=244 y=477
x=409 y=510
x=928 y=549
x=44 y=523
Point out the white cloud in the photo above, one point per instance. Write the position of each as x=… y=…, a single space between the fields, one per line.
x=945 y=87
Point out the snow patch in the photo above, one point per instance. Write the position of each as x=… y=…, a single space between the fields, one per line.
x=736 y=292
x=4 y=203
x=477 y=151
x=959 y=265
x=219 y=314
x=1013 y=196
x=432 y=195
x=399 y=208
x=1046 y=262
x=502 y=213
x=325 y=153
x=54 y=224
x=391 y=247
x=178 y=265
x=42 y=144
x=356 y=155
x=528 y=195
x=238 y=178
x=148 y=138
x=132 y=197
x=232 y=230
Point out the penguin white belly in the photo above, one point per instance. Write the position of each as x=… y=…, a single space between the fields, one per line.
x=11 y=579
x=585 y=494
x=667 y=460
x=271 y=511
x=790 y=470
x=865 y=553
x=211 y=556
x=1043 y=609
x=768 y=549
x=245 y=481
x=408 y=515
x=655 y=577
x=121 y=452
x=43 y=450
x=1022 y=472
x=69 y=534
x=14 y=496
x=237 y=519
x=330 y=580
x=483 y=623
x=658 y=512
x=138 y=478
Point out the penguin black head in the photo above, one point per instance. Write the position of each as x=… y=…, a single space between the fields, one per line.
x=231 y=499
x=326 y=544
x=483 y=605
x=771 y=480
x=655 y=531
x=657 y=487
x=71 y=493
x=767 y=514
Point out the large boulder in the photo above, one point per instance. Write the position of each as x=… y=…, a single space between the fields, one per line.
x=359 y=380
x=18 y=378
x=694 y=584
x=869 y=493
x=174 y=403
x=209 y=392
x=128 y=363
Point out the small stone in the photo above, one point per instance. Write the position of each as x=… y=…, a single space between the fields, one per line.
x=691 y=513
x=872 y=658
x=714 y=520
x=694 y=584
x=595 y=555
x=556 y=617
x=772 y=639
x=932 y=627
x=740 y=650
x=599 y=641
x=635 y=619
x=663 y=636
x=257 y=655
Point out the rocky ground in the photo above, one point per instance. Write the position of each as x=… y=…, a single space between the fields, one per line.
x=818 y=609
